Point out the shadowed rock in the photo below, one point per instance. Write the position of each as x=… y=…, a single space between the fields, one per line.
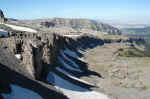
x=2 y=17
x=12 y=72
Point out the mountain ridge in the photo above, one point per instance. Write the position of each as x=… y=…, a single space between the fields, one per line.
x=71 y=24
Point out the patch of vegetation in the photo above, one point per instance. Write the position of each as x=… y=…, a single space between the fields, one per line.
x=132 y=52
x=108 y=36
x=144 y=88
x=124 y=86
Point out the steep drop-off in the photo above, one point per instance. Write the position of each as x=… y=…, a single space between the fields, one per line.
x=40 y=56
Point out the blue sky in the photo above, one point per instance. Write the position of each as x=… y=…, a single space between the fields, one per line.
x=94 y=9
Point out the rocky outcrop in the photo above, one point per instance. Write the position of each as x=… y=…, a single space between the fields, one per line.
x=38 y=58
x=12 y=72
x=2 y=17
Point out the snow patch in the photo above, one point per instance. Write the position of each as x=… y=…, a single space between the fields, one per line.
x=18 y=56
x=1 y=30
x=20 y=28
x=68 y=66
x=73 y=91
x=62 y=53
x=64 y=72
x=71 y=35
x=71 y=53
x=3 y=33
x=21 y=93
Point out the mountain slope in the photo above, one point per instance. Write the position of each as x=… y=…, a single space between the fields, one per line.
x=67 y=25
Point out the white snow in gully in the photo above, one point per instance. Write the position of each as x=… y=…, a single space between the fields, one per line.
x=21 y=93
x=74 y=91
x=20 y=28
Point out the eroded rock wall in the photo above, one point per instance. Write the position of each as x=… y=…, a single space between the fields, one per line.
x=39 y=52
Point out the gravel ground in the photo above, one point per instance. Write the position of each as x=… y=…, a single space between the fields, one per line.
x=124 y=77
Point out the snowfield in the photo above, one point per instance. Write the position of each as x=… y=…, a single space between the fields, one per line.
x=18 y=56
x=3 y=33
x=73 y=91
x=20 y=28
x=21 y=93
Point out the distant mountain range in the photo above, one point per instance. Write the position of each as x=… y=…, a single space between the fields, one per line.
x=137 y=30
x=130 y=23
x=64 y=25
x=71 y=25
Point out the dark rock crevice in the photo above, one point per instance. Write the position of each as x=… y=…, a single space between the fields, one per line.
x=12 y=77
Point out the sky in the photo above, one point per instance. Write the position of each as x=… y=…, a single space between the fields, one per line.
x=94 y=9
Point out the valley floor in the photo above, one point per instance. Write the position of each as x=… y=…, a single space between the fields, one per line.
x=123 y=77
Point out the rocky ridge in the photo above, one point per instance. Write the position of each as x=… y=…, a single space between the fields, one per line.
x=69 y=26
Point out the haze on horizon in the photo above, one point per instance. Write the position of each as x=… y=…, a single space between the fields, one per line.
x=113 y=10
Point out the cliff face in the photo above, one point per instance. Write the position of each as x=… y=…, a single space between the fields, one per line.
x=48 y=58
x=14 y=75
x=38 y=57
x=40 y=53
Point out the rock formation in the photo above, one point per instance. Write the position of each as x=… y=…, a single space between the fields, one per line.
x=2 y=17
x=14 y=73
